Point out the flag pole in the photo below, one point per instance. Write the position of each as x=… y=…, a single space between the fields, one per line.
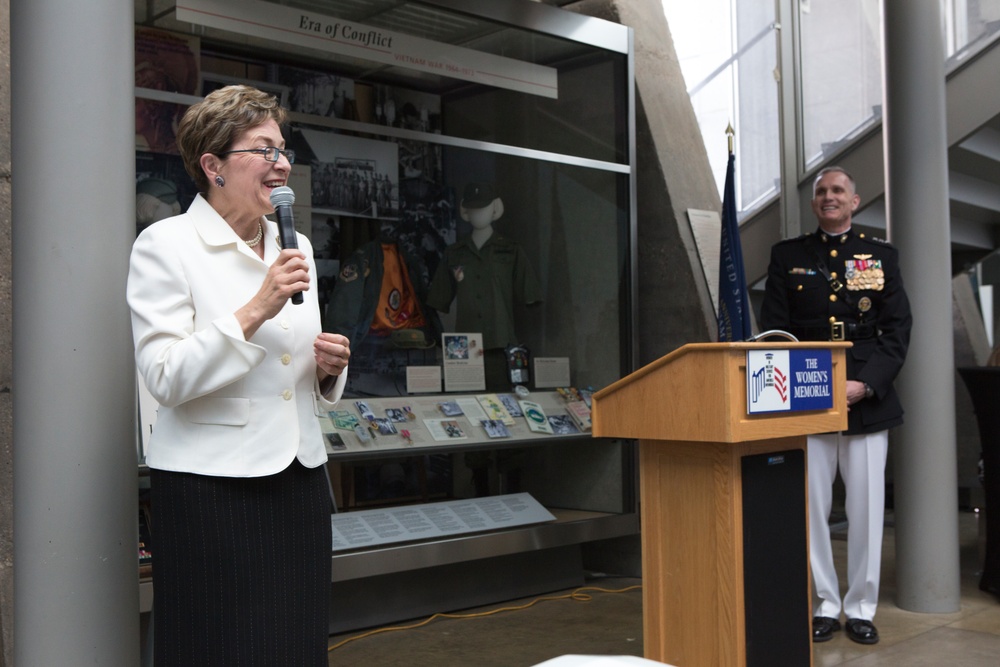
x=734 y=300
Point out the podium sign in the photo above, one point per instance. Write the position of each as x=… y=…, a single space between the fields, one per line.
x=789 y=380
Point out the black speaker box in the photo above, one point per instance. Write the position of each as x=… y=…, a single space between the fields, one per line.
x=775 y=573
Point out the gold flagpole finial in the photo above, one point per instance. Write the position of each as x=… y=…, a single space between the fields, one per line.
x=730 y=132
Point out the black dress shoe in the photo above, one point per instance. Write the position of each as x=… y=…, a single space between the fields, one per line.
x=824 y=627
x=861 y=631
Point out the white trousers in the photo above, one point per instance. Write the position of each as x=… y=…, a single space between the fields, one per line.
x=861 y=460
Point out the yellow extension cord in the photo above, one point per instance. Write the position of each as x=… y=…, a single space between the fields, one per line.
x=578 y=595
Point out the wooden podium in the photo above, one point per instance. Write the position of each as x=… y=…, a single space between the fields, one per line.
x=724 y=506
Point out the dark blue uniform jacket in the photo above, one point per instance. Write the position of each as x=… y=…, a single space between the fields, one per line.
x=872 y=309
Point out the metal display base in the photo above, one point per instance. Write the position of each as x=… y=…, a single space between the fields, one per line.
x=392 y=598
x=375 y=587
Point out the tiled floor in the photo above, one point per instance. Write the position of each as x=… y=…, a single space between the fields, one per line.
x=969 y=637
x=610 y=623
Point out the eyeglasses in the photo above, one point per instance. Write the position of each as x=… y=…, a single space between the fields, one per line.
x=270 y=153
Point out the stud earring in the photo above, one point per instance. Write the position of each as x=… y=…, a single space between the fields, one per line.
x=220 y=181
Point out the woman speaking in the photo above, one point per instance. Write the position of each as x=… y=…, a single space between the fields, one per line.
x=240 y=501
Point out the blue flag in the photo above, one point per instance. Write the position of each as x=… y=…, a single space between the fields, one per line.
x=734 y=301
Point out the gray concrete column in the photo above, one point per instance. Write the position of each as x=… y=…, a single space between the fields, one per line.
x=926 y=487
x=787 y=12
x=73 y=200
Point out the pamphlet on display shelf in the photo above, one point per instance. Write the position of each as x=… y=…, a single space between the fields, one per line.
x=471 y=408
x=580 y=412
x=445 y=430
x=495 y=409
x=345 y=420
x=510 y=403
x=535 y=416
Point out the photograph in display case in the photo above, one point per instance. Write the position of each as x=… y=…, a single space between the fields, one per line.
x=393 y=106
x=511 y=405
x=165 y=62
x=318 y=93
x=562 y=424
x=364 y=410
x=384 y=426
x=450 y=408
x=463 y=362
x=395 y=414
x=495 y=428
x=351 y=176
x=334 y=442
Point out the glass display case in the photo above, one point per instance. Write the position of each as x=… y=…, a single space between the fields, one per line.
x=465 y=172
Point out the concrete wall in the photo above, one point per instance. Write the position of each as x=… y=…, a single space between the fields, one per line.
x=6 y=366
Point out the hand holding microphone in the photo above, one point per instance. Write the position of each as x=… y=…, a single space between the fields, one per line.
x=282 y=199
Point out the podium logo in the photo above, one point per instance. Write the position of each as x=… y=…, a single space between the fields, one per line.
x=767 y=381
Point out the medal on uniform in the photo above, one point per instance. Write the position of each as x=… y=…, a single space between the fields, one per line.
x=864 y=273
x=865 y=304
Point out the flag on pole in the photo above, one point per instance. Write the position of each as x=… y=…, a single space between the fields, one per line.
x=734 y=300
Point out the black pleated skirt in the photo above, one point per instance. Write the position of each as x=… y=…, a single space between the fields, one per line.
x=241 y=569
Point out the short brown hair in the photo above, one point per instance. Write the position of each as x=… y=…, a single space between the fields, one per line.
x=212 y=125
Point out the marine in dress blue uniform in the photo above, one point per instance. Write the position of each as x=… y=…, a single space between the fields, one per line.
x=837 y=284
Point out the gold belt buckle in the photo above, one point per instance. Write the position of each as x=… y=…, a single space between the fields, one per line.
x=837 y=331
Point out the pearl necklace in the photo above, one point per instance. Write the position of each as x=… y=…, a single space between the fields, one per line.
x=255 y=240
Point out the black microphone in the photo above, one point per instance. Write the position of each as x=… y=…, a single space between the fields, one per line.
x=282 y=199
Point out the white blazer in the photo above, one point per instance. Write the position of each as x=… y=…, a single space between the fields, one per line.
x=228 y=406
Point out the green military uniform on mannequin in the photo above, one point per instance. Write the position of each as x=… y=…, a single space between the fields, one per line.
x=485 y=274
x=486 y=282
